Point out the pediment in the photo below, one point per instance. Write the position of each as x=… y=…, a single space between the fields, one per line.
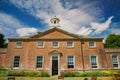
x=55 y=33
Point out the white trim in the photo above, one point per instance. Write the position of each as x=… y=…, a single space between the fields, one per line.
x=36 y=61
x=40 y=46
x=55 y=46
x=70 y=46
x=16 y=46
x=92 y=46
x=96 y=61
x=73 y=62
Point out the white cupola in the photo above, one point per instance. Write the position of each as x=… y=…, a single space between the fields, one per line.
x=54 y=22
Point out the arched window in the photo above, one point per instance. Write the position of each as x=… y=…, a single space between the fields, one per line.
x=54 y=22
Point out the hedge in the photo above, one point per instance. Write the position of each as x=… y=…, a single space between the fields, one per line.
x=89 y=74
x=29 y=73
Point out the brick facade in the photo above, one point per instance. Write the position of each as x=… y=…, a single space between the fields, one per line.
x=81 y=51
x=2 y=56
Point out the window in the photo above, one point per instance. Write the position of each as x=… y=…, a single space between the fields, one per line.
x=16 y=61
x=40 y=44
x=92 y=44
x=54 y=22
x=70 y=61
x=39 y=62
x=93 y=61
x=19 y=44
x=55 y=44
x=115 y=60
x=70 y=44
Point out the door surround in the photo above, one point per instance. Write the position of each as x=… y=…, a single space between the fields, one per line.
x=58 y=54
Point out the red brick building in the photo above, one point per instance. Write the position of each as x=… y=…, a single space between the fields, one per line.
x=56 y=50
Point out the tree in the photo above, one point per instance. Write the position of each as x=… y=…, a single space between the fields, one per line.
x=2 y=41
x=112 y=41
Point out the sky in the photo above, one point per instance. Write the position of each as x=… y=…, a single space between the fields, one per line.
x=94 y=18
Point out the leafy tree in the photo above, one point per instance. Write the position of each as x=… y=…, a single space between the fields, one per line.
x=2 y=41
x=112 y=41
x=5 y=45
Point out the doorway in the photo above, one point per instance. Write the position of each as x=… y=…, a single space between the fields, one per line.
x=54 y=65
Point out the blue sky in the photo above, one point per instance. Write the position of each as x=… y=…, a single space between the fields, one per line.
x=97 y=18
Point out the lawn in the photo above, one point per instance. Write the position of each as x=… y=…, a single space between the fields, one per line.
x=55 y=78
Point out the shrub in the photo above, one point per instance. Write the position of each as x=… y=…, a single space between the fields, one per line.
x=84 y=74
x=29 y=73
x=15 y=73
x=32 y=73
x=110 y=72
x=71 y=74
x=89 y=74
x=45 y=74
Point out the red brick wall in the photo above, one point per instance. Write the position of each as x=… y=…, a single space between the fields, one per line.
x=29 y=51
x=2 y=59
x=98 y=51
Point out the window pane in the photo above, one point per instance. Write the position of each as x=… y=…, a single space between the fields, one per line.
x=19 y=44
x=40 y=44
x=91 y=44
x=70 y=66
x=55 y=43
x=69 y=43
x=93 y=62
x=16 y=61
x=39 y=62
x=115 y=65
x=70 y=62
x=114 y=61
x=54 y=57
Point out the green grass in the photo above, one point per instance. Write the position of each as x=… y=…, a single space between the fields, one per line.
x=51 y=78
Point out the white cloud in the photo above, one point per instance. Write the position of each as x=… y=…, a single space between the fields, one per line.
x=115 y=31
x=72 y=19
x=85 y=31
x=115 y=28
x=26 y=31
x=99 y=27
x=9 y=25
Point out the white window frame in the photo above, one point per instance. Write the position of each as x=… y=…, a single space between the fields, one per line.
x=18 y=46
x=43 y=43
x=96 y=62
x=73 y=61
x=53 y=45
x=115 y=63
x=71 y=45
x=94 y=45
x=42 y=62
x=14 y=67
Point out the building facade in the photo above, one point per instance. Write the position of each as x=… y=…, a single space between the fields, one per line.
x=56 y=50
